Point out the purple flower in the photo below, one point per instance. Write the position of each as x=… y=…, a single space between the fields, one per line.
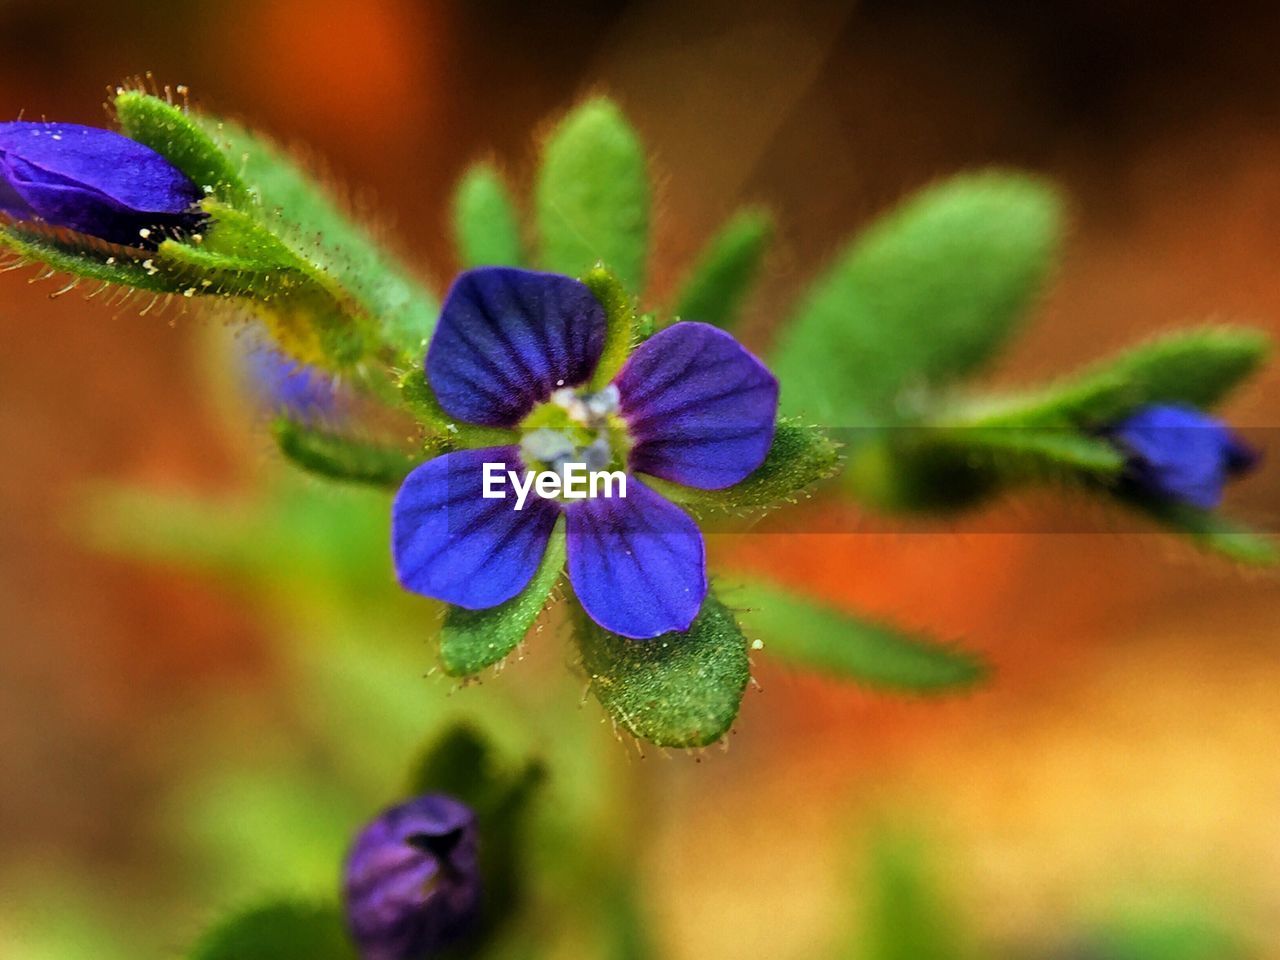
x=1181 y=454
x=93 y=181
x=412 y=882
x=285 y=386
x=515 y=348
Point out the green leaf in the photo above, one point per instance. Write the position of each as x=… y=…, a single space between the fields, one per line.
x=923 y=297
x=818 y=637
x=724 y=272
x=799 y=457
x=341 y=458
x=474 y=639
x=344 y=530
x=905 y=917
x=620 y=323
x=485 y=225
x=1194 y=367
x=302 y=214
x=1170 y=930
x=901 y=470
x=172 y=133
x=676 y=690
x=282 y=930
x=1209 y=530
x=459 y=764
x=592 y=195
x=1032 y=452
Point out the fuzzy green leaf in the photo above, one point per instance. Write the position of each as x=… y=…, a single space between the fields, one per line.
x=818 y=637
x=800 y=457
x=474 y=639
x=676 y=690
x=1032 y=452
x=620 y=323
x=172 y=133
x=1210 y=531
x=458 y=763
x=725 y=270
x=281 y=930
x=923 y=297
x=336 y=457
x=592 y=196
x=302 y=214
x=1194 y=367
x=486 y=227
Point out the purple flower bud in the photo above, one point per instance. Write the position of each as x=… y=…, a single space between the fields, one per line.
x=93 y=181
x=285 y=386
x=412 y=882
x=1181 y=454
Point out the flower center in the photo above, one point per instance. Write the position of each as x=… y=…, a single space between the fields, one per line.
x=575 y=426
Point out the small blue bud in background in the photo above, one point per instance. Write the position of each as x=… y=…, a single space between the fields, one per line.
x=1181 y=454
x=412 y=883
x=294 y=389
x=95 y=182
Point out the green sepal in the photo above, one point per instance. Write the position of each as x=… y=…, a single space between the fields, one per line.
x=447 y=432
x=471 y=640
x=1209 y=531
x=336 y=457
x=486 y=227
x=307 y=316
x=592 y=195
x=725 y=270
x=675 y=690
x=89 y=259
x=1197 y=368
x=310 y=316
x=461 y=763
x=923 y=297
x=293 y=205
x=814 y=636
x=620 y=322
x=800 y=457
x=238 y=257
x=172 y=133
x=279 y=930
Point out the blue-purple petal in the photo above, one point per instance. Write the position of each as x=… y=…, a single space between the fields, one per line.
x=700 y=409
x=1177 y=453
x=637 y=563
x=93 y=181
x=507 y=338
x=451 y=543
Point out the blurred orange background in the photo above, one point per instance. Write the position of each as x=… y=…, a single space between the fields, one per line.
x=1128 y=741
